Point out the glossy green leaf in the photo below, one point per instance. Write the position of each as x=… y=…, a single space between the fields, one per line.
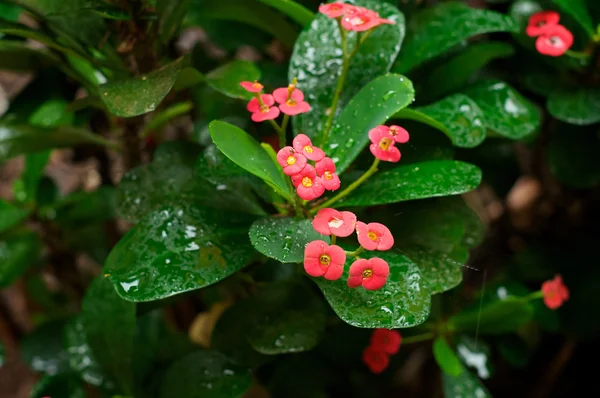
x=11 y=215
x=464 y=66
x=465 y=385
x=43 y=349
x=17 y=252
x=170 y=15
x=178 y=248
x=446 y=358
x=109 y=325
x=141 y=94
x=317 y=63
x=23 y=139
x=52 y=113
x=578 y=10
x=575 y=106
x=573 y=157
x=437 y=29
x=226 y=79
x=292 y=9
x=205 y=374
x=441 y=271
x=283 y=239
x=373 y=105
x=415 y=181
x=475 y=354
x=496 y=317
x=403 y=302
x=247 y=153
x=10 y=12
x=64 y=386
x=506 y=111
x=166 y=116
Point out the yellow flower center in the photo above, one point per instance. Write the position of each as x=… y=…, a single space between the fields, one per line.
x=328 y=175
x=367 y=273
x=291 y=160
x=307 y=182
x=256 y=85
x=308 y=149
x=290 y=102
x=264 y=108
x=372 y=235
x=394 y=131
x=324 y=259
x=357 y=21
x=385 y=143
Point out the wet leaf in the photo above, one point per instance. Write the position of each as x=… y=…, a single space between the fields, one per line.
x=446 y=358
x=465 y=385
x=283 y=239
x=437 y=29
x=415 y=181
x=496 y=317
x=63 y=385
x=373 y=105
x=11 y=215
x=292 y=9
x=403 y=302
x=317 y=63
x=575 y=106
x=205 y=374
x=226 y=79
x=43 y=349
x=440 y=271
x=17 y=252
x=578 y=10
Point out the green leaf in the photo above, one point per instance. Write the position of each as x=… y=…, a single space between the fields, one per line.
x=43 y=349
x=446 y=358
x=317 y=63
x=2 y=354
x=441 y=271
x=179 y=248
x=141 y=94
x=10 y=12
x=437 y=29
x=109 y=325
x=293 y=10
x=578 y=10
x=247 y=153
x=17 y=56
x=205 y=374
x=506 y=111
x=170 y=14
x=64 y=386
x=465 y=385
x=415 y=181
x=11 y=215
x=22 y=139
x=111 y=12
x=403 y=302
x=457 y=116
x=17 y=252
x=573 y=157
x=83 y=207
x=373 y=105
x=283 y=239
x=464 y=66
x=52 y=113
x=226 y=79
x=165 y=116
x=576 y=106
x=496 y=317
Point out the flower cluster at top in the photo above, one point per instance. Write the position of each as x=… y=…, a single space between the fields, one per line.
x=328 y=261
x=553 y=39
x=290 y=99
x=382 y=345
x=353 y=18
x=554 y=292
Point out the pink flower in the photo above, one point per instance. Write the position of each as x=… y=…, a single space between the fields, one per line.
x=291 y=100
x=540 y=21
x=376 y=360
x=291 y=161
x=333 y=222
x=334 y=10
x=255 y=87
x=555 y=292
x=555 y=41
x=360 y=19
x=308 y=185
x=263 y=111
x=372 y=274
x=399 y=134
x=374 y=236
x=320 y=259
x=382 y=144
x=303 y=145
x=326 y=170
x=386 y=340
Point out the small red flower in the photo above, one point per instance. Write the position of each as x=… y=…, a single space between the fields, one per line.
x=555 y=41
x=308 y=185
x=326 y=170
x=540 y=21
x=320 y=259
x=382 y=145
x=334 y=10
x=291 y=161
x=374 y=236
x=264 y=111
x=376 y=360
x=399 y=134
x=291 y=100
x=360 y=19
x=372 y=274
x=555 y=292
x=303 y=145
x=333 y=222
x=255 y=87
x=386 y=340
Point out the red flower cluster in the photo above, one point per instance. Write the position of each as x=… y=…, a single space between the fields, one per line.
x=321 y=259
x=553 y=39
x=555 y=292
x=290 y=99
x=353 y=18
x=294 y=160
x=383 y=140
x=383 y=344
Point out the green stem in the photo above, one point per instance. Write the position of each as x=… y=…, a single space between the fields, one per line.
x=418 y=338
x=577 y=54
x=533 y=296
x=356 y=252
x=298 y=207
x=284 y=123
x=333 y=237
x=280 y=133
x=350 y=187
